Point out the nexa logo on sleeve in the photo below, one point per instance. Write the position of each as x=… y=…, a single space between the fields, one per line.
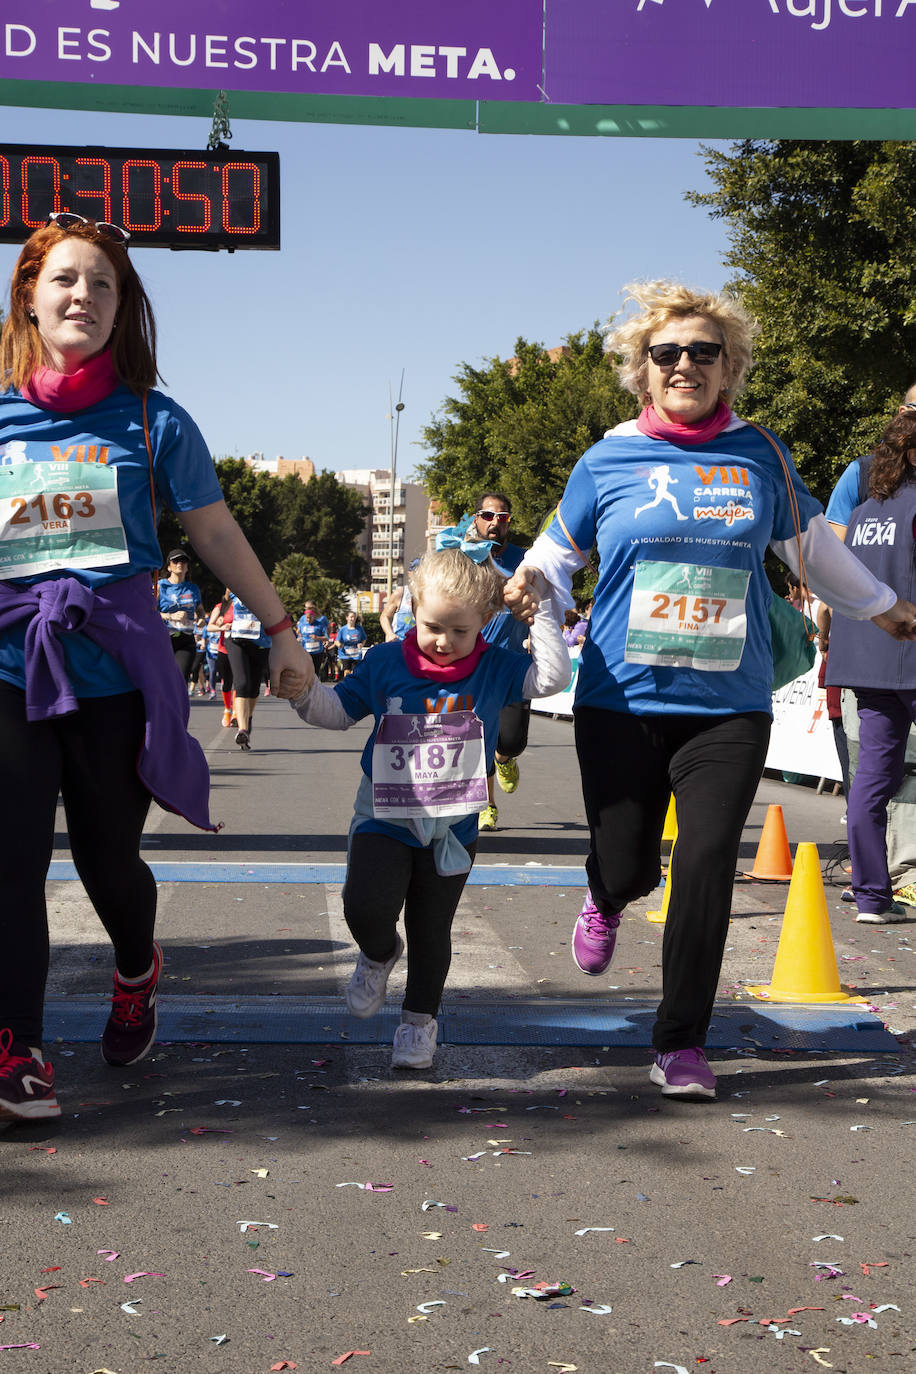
x=875 y=531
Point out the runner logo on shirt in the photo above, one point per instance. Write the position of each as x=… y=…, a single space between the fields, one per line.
x=660 y=480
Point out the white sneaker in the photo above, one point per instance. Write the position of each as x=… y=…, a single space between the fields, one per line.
x=414 y=1046
x=366 y=989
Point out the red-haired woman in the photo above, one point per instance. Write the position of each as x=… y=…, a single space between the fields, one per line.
x=92 y=706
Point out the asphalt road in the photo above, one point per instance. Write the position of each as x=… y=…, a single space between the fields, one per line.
x=785 y=1208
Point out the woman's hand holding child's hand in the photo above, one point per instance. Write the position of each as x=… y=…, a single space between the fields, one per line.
x=524 y=591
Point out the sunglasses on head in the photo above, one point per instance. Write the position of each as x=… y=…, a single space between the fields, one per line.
x=502 y=517
x=65 y=219
x=669 y=354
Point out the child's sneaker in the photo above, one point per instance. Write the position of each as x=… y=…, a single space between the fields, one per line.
x=683 y=1073
x=26 y=1085
x=414 y=1046
x=131 y=1027
x=507 y=774
x=366 y=989
x=488 y=818
x=594 y=938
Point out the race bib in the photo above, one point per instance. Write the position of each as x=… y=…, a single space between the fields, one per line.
x=59 y=515
x=685 y=616
x=245 y=625
x=429 y=766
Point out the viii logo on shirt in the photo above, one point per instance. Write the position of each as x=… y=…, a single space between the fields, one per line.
x=428 y=766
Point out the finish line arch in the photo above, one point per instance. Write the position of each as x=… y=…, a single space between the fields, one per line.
x=838 y=69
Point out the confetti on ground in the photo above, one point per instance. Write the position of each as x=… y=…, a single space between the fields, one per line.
x=109 y=1255
x=244 y=1225
x=265 y=1274
x=342 y=1359
x=585 y=1230
x=666 y=1364
x=598 y=1309
x=474 y=1357
x=63 y=1218
x=130 y=1308
x=142 y=1274
x=722 y=1279
x=426 y=1307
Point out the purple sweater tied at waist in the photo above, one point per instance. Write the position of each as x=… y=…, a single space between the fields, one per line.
x=122 y=618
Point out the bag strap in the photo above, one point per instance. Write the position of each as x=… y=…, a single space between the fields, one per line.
x=152 y=483
x=796 y=521
x=573 y=545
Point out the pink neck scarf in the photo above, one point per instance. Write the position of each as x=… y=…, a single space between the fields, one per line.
x=66 y=391
x=418 y=665
x=651 y=423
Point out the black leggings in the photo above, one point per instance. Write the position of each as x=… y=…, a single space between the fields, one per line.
x=90 y=758
x=629 y=764
x=248 y=662
x=384 y=875
x=184 y=648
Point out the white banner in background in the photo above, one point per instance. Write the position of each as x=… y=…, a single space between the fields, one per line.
x=801 y=740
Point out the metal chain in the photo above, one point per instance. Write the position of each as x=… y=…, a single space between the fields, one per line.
x=220 y=133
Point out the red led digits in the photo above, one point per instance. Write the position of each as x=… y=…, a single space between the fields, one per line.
x=254 y=198
x=104 y=195
x=154 y=198
x=4 y=190
x=41 y=193
x=191 y=196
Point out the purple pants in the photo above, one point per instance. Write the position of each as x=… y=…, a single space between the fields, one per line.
x=884 y=723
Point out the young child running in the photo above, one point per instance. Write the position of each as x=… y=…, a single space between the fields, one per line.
x=436 y=698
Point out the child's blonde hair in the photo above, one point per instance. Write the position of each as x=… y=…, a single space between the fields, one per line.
x=458 y=578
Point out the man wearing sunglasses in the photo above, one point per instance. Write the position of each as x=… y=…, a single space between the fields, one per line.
x=492 y=519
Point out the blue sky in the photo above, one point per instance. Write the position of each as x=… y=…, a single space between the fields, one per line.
x=410 y=249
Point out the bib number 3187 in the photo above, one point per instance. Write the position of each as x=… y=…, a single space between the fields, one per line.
x=428 y=766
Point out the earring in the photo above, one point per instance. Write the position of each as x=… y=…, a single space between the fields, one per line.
x=33 y=318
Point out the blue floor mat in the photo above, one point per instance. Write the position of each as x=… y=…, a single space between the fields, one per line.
x=525 y=1021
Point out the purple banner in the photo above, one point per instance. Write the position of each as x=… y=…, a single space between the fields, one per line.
x=817 y=53
x=831 y=53
x=472 y=50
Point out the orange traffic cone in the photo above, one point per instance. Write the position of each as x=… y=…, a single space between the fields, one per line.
x=805 y=969
x=773 y=859
x=660 y=917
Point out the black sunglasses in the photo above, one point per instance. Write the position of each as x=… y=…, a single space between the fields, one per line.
x=65 y=219
x=669 y=354
x=502 y=517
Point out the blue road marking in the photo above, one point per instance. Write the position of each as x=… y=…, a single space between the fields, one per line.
x=482 y=875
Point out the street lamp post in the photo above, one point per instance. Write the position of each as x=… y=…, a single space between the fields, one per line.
x=394 y=421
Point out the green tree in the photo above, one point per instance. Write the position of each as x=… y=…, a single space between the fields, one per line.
x=822 y=248
x=520 y=424
x=298 y=578
x=323 y=518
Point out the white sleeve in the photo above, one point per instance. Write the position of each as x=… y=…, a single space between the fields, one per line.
x=321 y=705
x=834 y=573
x=550 y=669
x=558 y=565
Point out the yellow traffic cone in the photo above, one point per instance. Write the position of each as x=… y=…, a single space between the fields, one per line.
x=669 y=833
x=659 y=917
x=773 y=858
x=805 y=969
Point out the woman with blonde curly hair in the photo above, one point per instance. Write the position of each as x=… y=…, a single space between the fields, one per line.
x=675 y=678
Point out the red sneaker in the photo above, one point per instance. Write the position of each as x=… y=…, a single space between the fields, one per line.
x=131 y=1027
x=26 y=1085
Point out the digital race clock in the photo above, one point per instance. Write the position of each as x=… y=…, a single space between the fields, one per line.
x=163 y=197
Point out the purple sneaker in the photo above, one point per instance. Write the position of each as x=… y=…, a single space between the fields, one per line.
x=683 y=1073
x=594 y=938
